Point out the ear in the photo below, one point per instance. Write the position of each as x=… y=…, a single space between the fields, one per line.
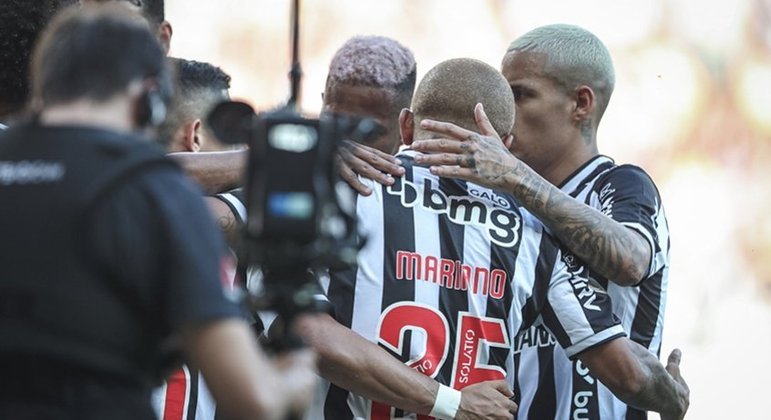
x=585 y=103
x=164 y=35
x=407 y=126
x=191 y=136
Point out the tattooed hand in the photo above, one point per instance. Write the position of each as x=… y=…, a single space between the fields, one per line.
x=460 y=153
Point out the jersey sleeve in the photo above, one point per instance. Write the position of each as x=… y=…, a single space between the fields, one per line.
x=236 y=201
x=577 y=310
x=158 y=229
x=628 y=195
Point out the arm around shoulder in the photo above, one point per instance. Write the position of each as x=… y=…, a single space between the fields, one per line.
x=214 y=172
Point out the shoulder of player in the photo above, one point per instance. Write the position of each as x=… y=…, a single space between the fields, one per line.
x=626 y=177
x=625 y=171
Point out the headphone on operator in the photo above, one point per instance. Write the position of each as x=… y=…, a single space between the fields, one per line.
x=154 y=101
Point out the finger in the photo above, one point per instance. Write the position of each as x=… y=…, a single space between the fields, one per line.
x=379 y=160
x=363 y=168
x=347 y=175
x=503 y=388
x=447 y=129
x=674 y=357
x=440 y=145
x=367 y=171
x=453 y=172
x=358 y=147
x=441 y=159
x=512 y=407
x=484 y=124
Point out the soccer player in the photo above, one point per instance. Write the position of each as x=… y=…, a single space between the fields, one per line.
x=452 y=270
x=199 y=86
x=154 y=12
x=371 y=77
x=608 y=215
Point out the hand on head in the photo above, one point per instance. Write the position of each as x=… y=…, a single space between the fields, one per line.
x=480 y=157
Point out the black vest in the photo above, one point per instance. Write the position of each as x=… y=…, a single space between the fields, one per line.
x=56 y=301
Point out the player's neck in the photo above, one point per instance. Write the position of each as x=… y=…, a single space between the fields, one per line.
x=112 y=115
x=567 y=163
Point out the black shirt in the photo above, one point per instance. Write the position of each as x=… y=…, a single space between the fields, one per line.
x=161 y=266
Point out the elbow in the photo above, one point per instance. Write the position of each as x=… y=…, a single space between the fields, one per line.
x=631 y=275
x=633 y=271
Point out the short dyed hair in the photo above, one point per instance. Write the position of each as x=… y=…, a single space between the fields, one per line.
x=200 y=86
x=575 y=57
x=451 y=90
x=95 y=53
x=377 y=62
x=22 y=23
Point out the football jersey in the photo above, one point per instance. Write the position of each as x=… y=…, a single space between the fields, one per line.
x=449 y=273
x=550 y=385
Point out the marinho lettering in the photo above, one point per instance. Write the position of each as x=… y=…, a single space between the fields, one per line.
x=451 y=274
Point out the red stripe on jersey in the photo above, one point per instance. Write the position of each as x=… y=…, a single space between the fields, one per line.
x=176 y=395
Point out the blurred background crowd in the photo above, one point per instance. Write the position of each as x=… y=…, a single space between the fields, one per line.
x=692 y=106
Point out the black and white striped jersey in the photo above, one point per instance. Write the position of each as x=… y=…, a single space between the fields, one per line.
x=449 y=273
x=184 y=396
x=550 y=385
x=236 y=201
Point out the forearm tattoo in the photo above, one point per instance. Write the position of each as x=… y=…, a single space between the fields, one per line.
x=598 y=240
x=229 y=226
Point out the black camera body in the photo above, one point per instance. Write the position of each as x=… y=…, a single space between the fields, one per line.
x=301 y=217
x=299 y=213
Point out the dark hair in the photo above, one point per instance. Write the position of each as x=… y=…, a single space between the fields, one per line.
x=200 y=86
x=95 y=53
x=193 y=75
x=153 y=9
x=22 y=22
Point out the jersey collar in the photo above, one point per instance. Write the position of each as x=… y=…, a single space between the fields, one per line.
x=580 y=175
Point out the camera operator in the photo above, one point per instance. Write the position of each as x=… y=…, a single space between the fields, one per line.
x=109 y=262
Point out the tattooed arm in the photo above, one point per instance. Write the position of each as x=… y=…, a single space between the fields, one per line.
x=636 y=377
x=228 y=223
x=608 y=247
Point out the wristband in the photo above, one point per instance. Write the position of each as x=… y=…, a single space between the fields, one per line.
x=446 y=403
